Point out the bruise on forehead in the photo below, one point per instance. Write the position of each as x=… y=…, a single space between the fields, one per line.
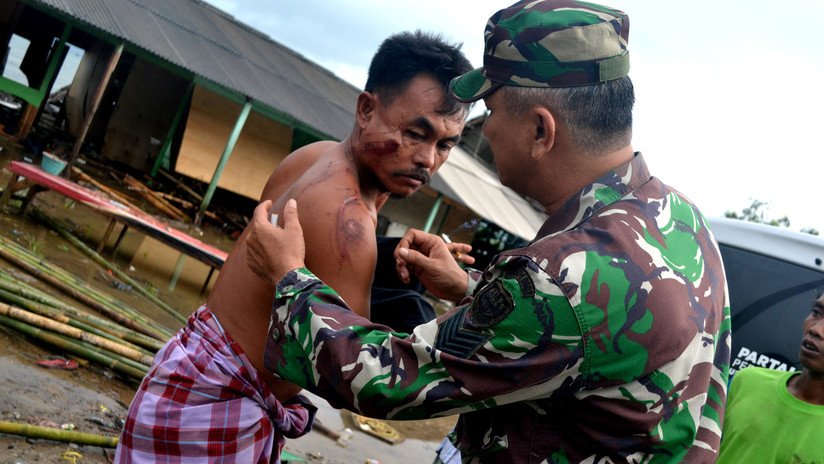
x=348 y=231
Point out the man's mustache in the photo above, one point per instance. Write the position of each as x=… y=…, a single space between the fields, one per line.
x=420 y=174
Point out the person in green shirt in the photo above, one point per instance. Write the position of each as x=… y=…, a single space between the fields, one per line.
x=778 y=417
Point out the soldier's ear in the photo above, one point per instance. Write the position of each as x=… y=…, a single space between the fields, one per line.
x=544 y=130
x=365 y=108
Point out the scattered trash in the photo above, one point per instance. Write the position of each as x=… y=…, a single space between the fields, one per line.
x=97 y=420
x=113 y=281
x=117 y=421
x=372 y=461
x=341 y=438
x=44 y=423
x=375 y=427
x=121 y=286
x=344 y=438
x=286 y=456
x=71 y=456
x=67 y=426
x=58 y=363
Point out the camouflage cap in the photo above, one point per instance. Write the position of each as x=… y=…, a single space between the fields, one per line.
x=549 y=43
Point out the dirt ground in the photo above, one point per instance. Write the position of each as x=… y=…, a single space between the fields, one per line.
x=91 y=398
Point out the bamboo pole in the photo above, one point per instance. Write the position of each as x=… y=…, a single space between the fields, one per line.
x=110 y=360
x=107 y=265
x=56 y=315
x=31 y=294
x=171 y=198
x=74 y=292
x=105 y=189
x=181 y=185
x=77 y=288
x=156 y=201
x=48 y=433
x=73 y=332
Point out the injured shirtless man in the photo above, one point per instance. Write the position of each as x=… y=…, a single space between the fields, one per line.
x=207 y=394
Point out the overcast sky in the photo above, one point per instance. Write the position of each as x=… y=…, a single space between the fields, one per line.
x=730 y=94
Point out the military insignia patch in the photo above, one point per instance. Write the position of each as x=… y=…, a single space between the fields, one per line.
x=490 y=306
x=456 y=340
x=521 y=275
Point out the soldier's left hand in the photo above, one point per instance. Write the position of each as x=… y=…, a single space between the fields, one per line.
x=272 y=251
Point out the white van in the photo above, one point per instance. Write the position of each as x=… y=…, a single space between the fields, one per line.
x=774 y=276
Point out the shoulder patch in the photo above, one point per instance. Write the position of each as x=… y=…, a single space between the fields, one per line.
x=490 y=306
x=521 y=275
x=456 y=340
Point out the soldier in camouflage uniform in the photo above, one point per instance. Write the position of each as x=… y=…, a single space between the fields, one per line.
x=606 y=339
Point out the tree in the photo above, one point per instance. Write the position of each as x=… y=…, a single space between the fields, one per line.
x=756 y=212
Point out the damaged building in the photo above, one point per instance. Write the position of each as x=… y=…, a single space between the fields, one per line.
x=185 y=89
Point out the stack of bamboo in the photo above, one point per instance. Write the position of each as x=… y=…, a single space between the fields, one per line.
x=118 y=337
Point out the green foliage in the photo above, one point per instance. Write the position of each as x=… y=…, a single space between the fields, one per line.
x=35 y=245
x=757 y=212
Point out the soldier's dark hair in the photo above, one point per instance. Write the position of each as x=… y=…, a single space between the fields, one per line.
x=405 y=55
x=598 y=117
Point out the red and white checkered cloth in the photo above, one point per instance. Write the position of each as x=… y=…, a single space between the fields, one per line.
x=202 y=401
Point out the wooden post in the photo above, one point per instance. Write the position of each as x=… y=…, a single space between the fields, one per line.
x=98 y=96
x=167 y=144
x=178 y=270
x=433 y=213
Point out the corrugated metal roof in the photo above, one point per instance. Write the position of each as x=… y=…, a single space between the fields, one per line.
x=213 y=45
x=465 y=179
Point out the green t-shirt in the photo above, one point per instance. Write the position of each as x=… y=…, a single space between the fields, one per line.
x=765 y=423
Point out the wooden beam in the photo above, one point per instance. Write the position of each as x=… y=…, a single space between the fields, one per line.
x=98 y=96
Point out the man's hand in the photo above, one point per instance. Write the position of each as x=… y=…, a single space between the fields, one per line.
x=272 y=251
x=459 y=252
x=429 y=258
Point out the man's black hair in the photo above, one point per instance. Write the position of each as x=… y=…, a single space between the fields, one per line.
x=405 y=55
x=598 y=117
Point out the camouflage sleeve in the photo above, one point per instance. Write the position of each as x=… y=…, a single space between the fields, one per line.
x=515 y=340
x=474 y=278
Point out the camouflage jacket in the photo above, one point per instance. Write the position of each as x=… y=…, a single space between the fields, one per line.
x=606 y=339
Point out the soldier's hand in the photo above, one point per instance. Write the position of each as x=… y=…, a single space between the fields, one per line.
x=430 y=259
x=273 y=251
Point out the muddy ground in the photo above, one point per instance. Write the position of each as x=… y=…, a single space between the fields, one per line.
x=91 y=398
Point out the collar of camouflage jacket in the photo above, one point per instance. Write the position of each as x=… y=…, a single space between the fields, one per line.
x=605 y=190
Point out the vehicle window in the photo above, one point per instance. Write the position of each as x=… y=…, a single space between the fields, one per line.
x=769 y=299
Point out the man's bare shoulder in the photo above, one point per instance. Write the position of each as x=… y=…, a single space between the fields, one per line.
x=296 y=164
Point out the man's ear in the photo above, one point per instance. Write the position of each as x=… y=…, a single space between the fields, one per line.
x=544 y=126
x=365 y=108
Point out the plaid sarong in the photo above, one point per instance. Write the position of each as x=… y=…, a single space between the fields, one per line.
x=202 y=401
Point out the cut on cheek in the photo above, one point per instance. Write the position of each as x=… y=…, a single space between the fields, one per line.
x=382 y=148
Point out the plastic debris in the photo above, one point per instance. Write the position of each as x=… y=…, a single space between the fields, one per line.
x=344 y=437
x=58 y=363
x=71 y=456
